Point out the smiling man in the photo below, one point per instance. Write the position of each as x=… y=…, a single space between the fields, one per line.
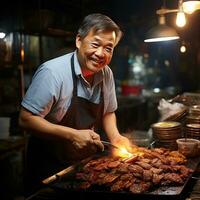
x=70 y=98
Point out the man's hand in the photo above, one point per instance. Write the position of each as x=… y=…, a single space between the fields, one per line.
x=123 y=142
x=87 y=139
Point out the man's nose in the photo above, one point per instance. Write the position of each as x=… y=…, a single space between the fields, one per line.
x=100 y=52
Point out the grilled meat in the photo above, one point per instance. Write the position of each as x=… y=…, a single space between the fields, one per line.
x=152 y=168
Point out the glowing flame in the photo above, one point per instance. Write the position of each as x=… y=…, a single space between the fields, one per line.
x=126 y=151
x=123 y=153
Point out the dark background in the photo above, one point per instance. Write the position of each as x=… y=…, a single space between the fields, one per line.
x=47 y=28
x=61 y=19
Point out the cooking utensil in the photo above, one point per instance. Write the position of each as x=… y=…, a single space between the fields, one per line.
x=109 y=144
x=67 y=170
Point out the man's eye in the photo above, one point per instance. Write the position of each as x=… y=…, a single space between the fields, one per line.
x=109 y=49
x=95 y=45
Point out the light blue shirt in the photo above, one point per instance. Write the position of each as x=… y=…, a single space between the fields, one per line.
x=50 y=92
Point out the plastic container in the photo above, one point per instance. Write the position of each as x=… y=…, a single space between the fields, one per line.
x=131 y=90
x=189 y=147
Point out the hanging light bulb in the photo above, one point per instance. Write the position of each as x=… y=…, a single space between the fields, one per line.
x=180 y=19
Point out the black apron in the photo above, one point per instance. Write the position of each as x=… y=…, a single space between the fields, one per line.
x=45 y=157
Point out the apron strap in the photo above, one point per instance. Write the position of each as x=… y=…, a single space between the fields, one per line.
x=74 y=76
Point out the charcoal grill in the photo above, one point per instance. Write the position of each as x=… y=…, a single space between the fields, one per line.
x=62 y=183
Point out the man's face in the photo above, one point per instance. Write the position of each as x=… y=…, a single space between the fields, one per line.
x=95 y=50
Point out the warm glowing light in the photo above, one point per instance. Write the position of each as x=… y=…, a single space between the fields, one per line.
x=22 y=54
x=182 y=49
x=180 y=19
x=122 y=152
x=190 y=6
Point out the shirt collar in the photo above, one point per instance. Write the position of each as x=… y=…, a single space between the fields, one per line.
x=98 y=77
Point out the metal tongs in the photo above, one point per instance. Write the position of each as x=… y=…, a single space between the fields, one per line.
x=109 y=144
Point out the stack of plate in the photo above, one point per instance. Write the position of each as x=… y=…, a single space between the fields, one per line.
x=166 y=133
x=192 y=119
x=187 y=99
x=179 y=116
x=193 y=131
x=194 y=110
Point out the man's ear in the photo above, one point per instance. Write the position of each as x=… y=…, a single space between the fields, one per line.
x=78 y=41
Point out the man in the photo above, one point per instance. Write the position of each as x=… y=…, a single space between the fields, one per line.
x=70 y=97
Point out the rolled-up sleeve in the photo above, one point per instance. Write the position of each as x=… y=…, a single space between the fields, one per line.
x=110 y=100
x=42 y=92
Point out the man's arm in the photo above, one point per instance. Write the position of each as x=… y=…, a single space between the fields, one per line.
x=110 y=127
x=44 y=129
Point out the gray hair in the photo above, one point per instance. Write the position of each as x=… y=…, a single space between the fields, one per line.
x=96 y=22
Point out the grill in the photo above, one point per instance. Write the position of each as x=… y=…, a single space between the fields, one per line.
x=65 y=178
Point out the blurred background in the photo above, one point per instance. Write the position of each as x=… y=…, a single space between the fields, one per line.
x=38 y=30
